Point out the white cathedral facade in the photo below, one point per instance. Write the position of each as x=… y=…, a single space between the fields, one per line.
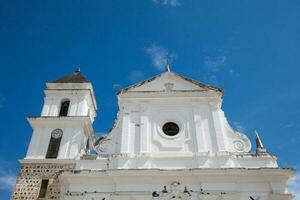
x=170 y=141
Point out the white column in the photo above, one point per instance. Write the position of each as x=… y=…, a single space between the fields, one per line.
x=218 y=126
x=144 y=133
x=201 y=142
x=46 y=107
x=125 y=131
x=136 y=133
x=73 y=107
x=208 y=128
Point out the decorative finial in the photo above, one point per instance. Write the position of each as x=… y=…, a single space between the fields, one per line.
x=77 y=70
x=260 y=149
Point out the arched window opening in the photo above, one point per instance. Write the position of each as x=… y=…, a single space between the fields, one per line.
x=54 y=144
x=64 y=107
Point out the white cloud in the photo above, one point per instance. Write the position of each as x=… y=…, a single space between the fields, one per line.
x=214 y=64
x=172 y=3
x=294 y=186
x=239 y=127
x=7 y=180
x=136 y=76
x=158 y=55
x=212 y=67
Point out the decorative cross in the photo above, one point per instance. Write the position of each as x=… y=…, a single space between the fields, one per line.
x=168 y=62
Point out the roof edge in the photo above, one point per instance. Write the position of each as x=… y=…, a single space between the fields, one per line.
x=198 y=83
x=76 y=77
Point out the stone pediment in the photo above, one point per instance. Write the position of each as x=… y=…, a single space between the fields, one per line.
x=169 y=81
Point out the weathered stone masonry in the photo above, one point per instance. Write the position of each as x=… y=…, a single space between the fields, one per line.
x=30 y=177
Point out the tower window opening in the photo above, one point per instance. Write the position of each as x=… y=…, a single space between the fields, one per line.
x=43 y=189
x=64 y=108
x=54 y=144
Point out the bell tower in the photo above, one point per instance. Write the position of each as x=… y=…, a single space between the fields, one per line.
x=64 y=129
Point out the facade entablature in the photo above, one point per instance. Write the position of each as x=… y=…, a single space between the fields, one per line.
x=49 y=121
x=202 y=183
x=177 y=161
x=174 y=94
x=134 y=104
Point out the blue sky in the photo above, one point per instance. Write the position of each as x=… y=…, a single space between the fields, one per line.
x=249 y=48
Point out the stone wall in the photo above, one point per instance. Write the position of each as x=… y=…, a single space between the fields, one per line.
x=30 y=178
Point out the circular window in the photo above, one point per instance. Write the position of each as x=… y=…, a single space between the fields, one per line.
x=170 y=129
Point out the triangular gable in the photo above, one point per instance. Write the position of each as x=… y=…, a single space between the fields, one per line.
x=169 y=80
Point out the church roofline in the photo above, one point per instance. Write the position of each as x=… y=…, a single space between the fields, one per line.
x=76 y=77
x=194 y=171
x=200 y=84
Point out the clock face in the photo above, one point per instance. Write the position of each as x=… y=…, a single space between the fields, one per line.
x=56 y=133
